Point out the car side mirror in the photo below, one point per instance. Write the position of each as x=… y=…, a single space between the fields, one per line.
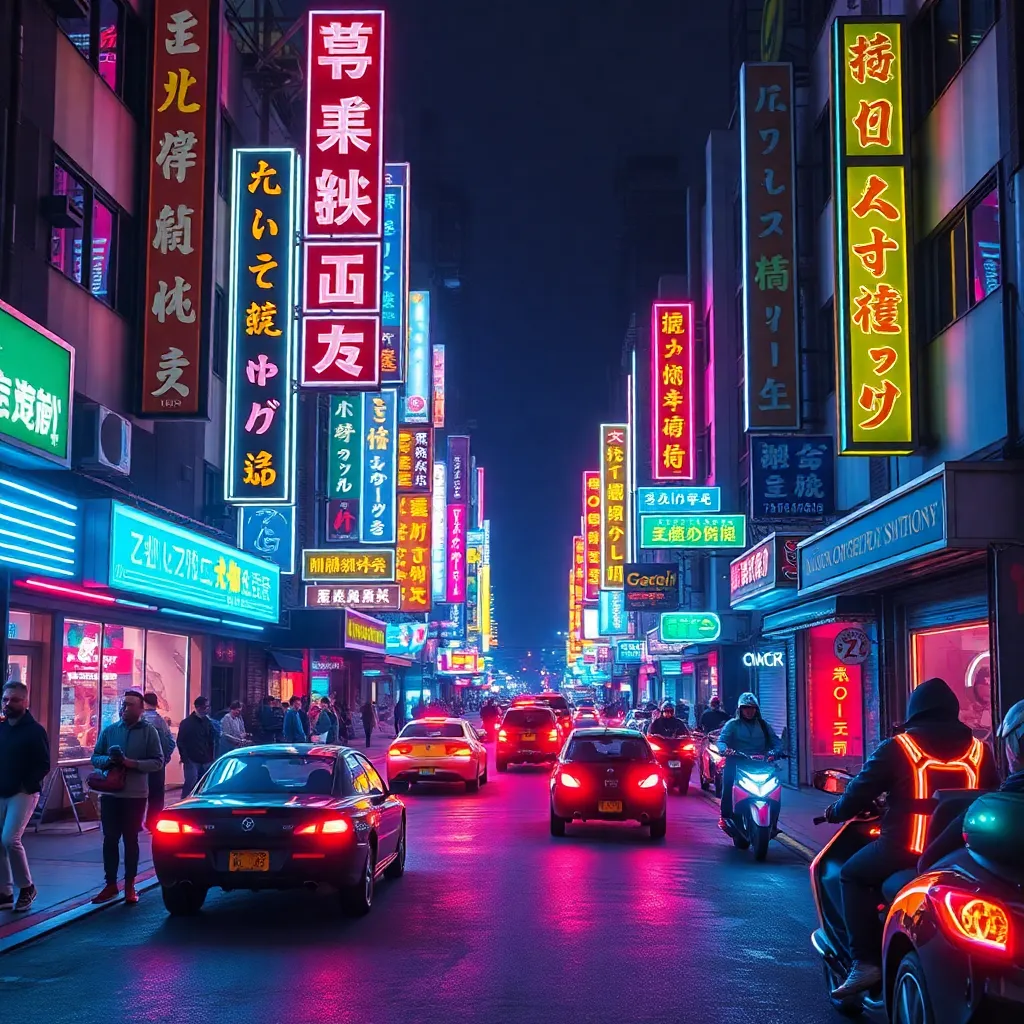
x=830 y=780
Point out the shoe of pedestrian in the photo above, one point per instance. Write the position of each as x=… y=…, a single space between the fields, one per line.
x=862 y=976
x=6 y=900
x=26 y=897
x=131 y=895
x=109 y=892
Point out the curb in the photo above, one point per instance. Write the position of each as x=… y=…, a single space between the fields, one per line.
x=786 y=840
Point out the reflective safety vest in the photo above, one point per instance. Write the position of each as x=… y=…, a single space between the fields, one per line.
x=924 y=766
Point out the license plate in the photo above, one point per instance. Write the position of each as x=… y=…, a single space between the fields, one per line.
x=427 y=771
x=675 y=764
x=249 y=860
x=609 y=806
x=527 y=736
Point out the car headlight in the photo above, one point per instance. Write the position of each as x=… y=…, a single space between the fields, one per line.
x=760 y=784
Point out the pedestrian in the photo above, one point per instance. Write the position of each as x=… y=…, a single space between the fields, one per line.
x=133 y=745
x=24 y=763
x=157 y=781
x=345 y=724
x=304 y=706
x=369 y=716
x=197 y=744
x=232 y=729
x=327 y=723
x=399 y=716
x=293 y=730
x=268 y=722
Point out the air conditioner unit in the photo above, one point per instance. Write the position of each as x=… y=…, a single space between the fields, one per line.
x=102 y=440
x=61 y=212
x=70 y=8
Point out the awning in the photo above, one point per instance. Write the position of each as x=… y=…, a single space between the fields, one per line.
x=286 y=661
x=843 y=608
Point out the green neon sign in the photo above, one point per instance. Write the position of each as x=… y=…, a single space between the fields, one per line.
x=692 y=531
x=689 y=627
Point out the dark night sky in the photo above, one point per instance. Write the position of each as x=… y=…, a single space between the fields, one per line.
x=537 y=102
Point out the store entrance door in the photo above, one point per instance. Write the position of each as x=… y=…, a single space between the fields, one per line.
x=23 y=664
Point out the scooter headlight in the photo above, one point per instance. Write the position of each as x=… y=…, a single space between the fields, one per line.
x=759 y=784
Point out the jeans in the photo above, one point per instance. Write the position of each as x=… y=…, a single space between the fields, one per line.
x=368 y=729
x=861 y=880
x=15 y=812
x=121 y=818
x=157 y=781
x=193 y=773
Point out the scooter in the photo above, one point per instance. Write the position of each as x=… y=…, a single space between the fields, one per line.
x=756 y=803
x=675 y=754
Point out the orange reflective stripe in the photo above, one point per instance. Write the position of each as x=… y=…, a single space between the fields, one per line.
x=922 y=764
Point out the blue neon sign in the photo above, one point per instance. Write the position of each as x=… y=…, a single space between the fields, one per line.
x=417 y=383
x=40 y=532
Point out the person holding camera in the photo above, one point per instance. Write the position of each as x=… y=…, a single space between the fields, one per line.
x=127 y=751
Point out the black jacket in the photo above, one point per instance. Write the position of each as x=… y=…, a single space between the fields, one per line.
x=24 y=756
x=197 y=740
x=712 y=720
x=668 y=727
x=934 y=725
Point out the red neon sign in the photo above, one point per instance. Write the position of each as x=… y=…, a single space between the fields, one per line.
x=672 y=427
x=837 y=718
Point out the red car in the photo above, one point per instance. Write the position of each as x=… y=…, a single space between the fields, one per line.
x=586 y=718
x=608 y=775
x=527 y=735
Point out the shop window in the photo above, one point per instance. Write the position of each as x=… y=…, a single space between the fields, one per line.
x=960 y=656
x=121 y=669
x=167 y=674
x=835 y=696
x=80 y=689
x=28 y=626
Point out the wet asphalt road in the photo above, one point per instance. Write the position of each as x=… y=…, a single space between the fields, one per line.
x=494 y=921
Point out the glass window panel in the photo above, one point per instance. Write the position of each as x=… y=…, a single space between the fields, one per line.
x=943 y=306
x=960 y=655
x=986 y=254
x=110 y=41
x=80 y=689
x=123 y=652
x=946 y=41
x=166 y=676
x=960 y=251
x=103 y=239
x=77 y=29
x=66 y=243
x=978 y=17
x=924 y=62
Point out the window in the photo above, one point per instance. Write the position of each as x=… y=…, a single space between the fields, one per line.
x=441 y=731
x=960 y=655
x=249 y=773
x=944 y=35
x=220 y=333
x=986 y=254
x=66 y=243
x=100 y=37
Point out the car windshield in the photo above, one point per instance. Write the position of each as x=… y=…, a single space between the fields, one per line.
x=250 y=774
x=558 y=703
x=596 y=749
x=441 y=730
x=529 y=718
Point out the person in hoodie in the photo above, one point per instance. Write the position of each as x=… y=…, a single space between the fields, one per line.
x=933 y=724
x=747 y=734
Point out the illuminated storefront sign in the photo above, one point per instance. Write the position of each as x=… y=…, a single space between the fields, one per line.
x=764 y=659
x=418 y=392
x=415 y=459
x=792 y=475
x=37 y=378
x=394 y=274
x=768 y=567
x=458 y=663
x=383 y=598
x=344 y=467
x=474 y=556
x=269 y=532
x=348 y=565
x=486 y=622
x=679 y=499
x=363 y=633
x=341 y=277
x=406 y=639
x=652 y=586
x=340 y=352
x=576 y=581
x=837 y=715
x=615 y=503
x=40 y=531
x=689 y=627
x=149 y=556
x=771 y=399
x=377 y=504
x=672 y=437
x=412 y=556
x=478 y=495
x=179 y=227
x=592 y=534
x=439 y=534
x=260 y=410
x=437 y=386
x=630 y=652
x=686 y=531
x=612 y=619
x=458 y=486
x=873 y=302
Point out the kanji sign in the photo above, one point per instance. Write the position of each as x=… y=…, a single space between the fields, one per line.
x=341 y=277
x=576 y=580
x=348 y=565
x=418 y=395
x=383 y=598
x=872 y=206
x=260 y=407
x=437 y=375
x=686 y=531
x=792 y=476
x=412 y=557
x=455 y=576
x=340 y=352
x=679 y=499
x=395 y=274
x=764 y=569
x=178 y=229
x=612 y=618
x=342 y=520
x=836 y=698
x=415 y=459
x=592 y=535
x=458 y=470
x=474 y=559
x=344 y=124
x=616 y=517
x=345 y=449
x=380 y=447
x=439 y=533
x=672 y=436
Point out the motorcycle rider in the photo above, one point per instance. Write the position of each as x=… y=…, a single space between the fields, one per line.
x=668 y=725
x=932 y=733
x=714 y=717
x=489 y=714
x=748 y=733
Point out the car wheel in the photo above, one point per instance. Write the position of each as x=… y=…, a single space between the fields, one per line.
x=357 y=899
x=397 y=867
x=483 y=778
x=502 y=766
x=910 y=1002
x=659 y=827
x=472 y=785
x=557 y=824
x=849 y=1007
x=183 y=900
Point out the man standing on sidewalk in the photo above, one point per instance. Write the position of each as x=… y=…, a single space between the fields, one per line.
x=134 y=745
x=197 y=744
x=24 y=763
x=158 y=779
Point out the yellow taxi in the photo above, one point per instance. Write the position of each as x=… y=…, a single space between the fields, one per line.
x=437 y=750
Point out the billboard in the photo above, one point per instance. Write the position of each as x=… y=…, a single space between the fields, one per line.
x=616 y=517
x=652 y=586
x=415 y=459
x=341 y=277
x=259 y=415
x=439 y=534
x=455 y=559
x=379 y=456
x=672 y=411
x=872 y=209
x=418 y=395
x=348 y=565
x=771 y=345
x=394 y=299
x=412 y=555
x=612 y=619
x=694 y=532
x=592 y=534
x=485 y=589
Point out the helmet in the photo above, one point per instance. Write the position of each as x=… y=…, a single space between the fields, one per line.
x=1012 y=731
x=668 y=706
x=748 y=700
x=716 y=702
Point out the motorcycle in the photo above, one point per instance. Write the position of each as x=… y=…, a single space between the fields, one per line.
x=676 y=755
x=756 y=802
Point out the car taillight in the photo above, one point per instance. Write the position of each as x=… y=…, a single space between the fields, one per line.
x=553 y=735
x=650 y=782
x=689 y=748
x=569 y=781
x=973 y=921
x=173 y=827
x=330 y=827
x=401 y=748
x=654 y=746
x=502 y=736
x=457 y=750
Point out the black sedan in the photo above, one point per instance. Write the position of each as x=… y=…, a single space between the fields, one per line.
x=282 y=817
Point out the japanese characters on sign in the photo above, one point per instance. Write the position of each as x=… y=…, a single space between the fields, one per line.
x=348 y=565
x=771 y=399
x=268 y=531
x=612 y=619
x=377 y=502
x=576 y=580
x=672 y=412
x=345 y=450
x=437 y=375
x=592 y=535
x=765 y=568
x=178 y=228
x=418 y=394
x=792 y=476
x=686 y=531
x=342 y=520
x=341 y=277
x=478 y=495
x=395 y=273
x=455 y=557
x=384 y=598
x=415 y=459
x=439 y=533
x=340 y=352
x=679 y=499
x=458 y=469
x=616 y=518
x=486 y=622
x=873 y=303
x=474 y=557
x=344 y=124
x=412 y=558
x=260 y=410
x=37 y=377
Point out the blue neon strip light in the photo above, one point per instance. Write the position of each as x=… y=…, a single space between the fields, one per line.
x=39 y=531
